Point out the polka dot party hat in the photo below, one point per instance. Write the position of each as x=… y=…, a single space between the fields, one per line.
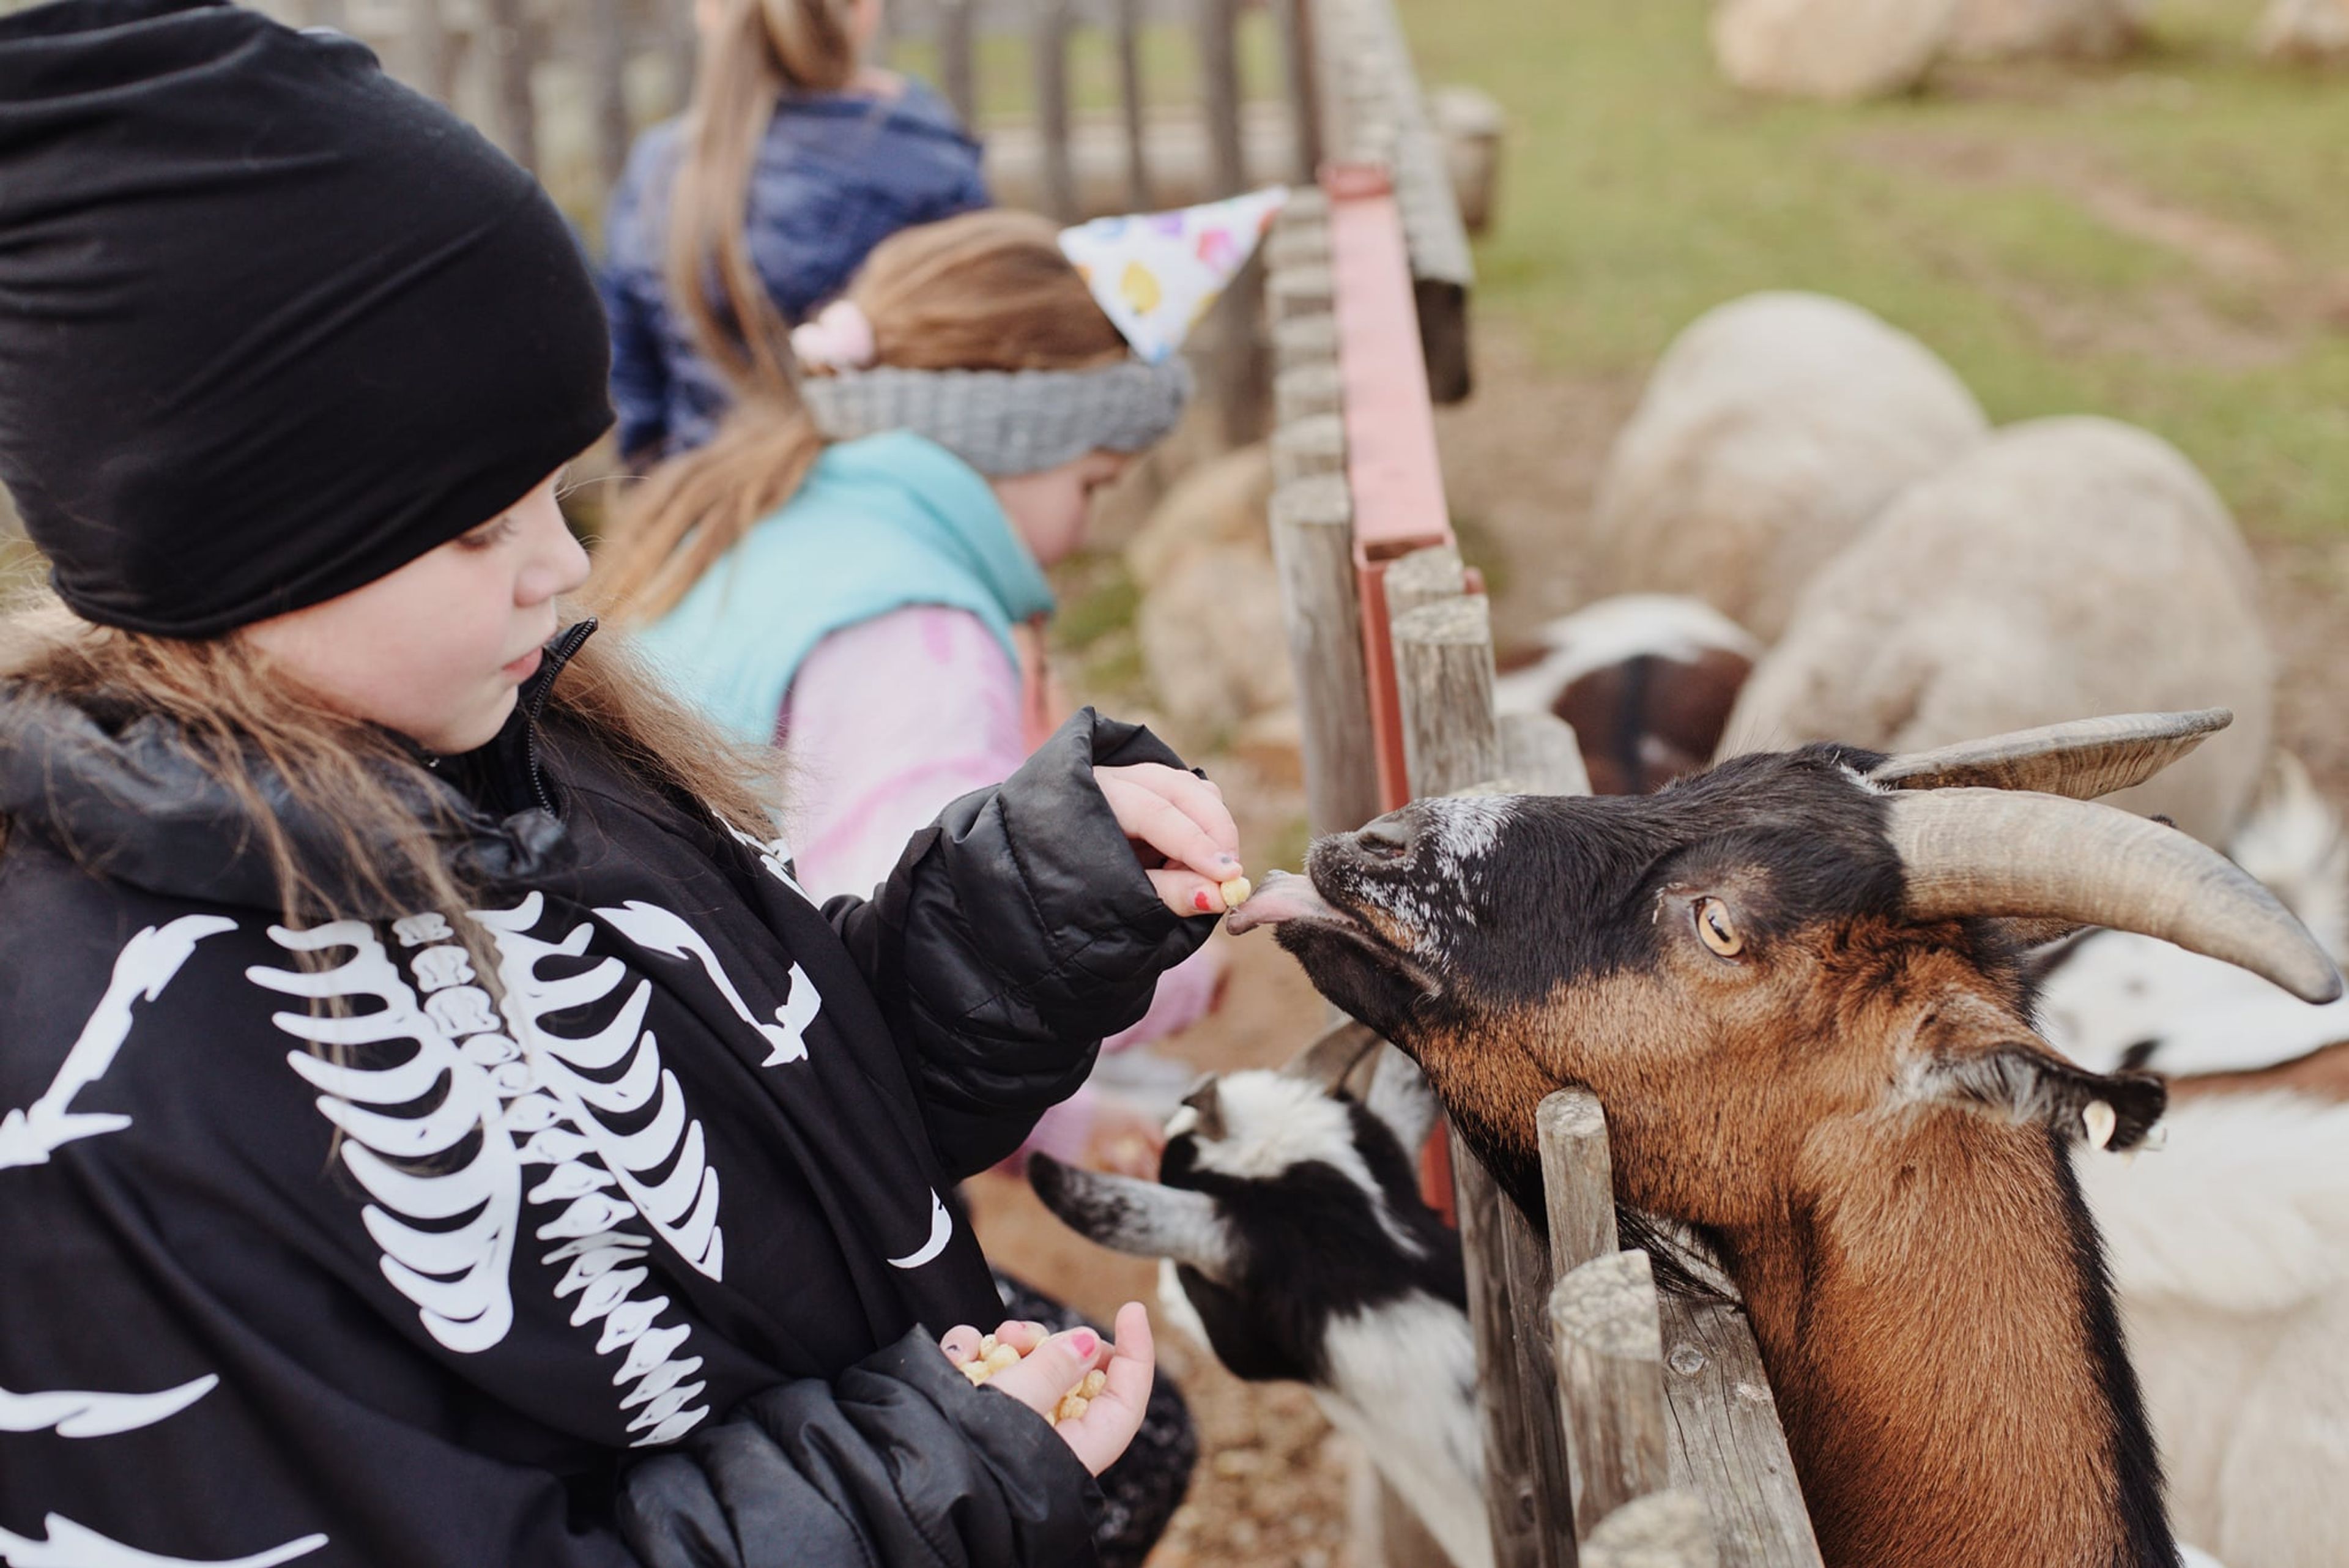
x=1155 y=274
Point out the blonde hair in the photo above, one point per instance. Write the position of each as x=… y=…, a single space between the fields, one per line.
x=759 y=51
x=985 y=291
x=254 y=733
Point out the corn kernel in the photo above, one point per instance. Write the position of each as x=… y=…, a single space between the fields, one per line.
x=1235 y=892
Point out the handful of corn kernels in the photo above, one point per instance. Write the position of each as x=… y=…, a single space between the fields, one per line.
x=994 y=1356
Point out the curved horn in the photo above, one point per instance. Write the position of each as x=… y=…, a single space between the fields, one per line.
x=1138 y=1217
x=2083 y=759
x=1998 y=852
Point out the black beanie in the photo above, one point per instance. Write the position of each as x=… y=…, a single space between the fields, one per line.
x=271 y=324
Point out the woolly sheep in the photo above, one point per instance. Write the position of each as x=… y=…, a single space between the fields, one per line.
x=1772 y=429
x=2070 y=566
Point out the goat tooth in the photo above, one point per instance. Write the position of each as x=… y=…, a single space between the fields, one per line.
x=2100 y=1121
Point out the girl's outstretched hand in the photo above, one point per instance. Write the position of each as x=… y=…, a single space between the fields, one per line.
x=1050 y=1368
x=1179 y=819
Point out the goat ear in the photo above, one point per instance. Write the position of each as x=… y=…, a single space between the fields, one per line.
x=1143 y=1218
x=2025 y=1081
x=1401 y=1098
x=1205 y=1105
x=1326 y=1063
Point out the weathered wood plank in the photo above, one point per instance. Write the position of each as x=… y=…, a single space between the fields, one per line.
x=1050 y=50
x=1510 y=1459
x=1577 y=1177
x=608 y=69
x=1219 y=75
x=1610 y=1376
x=1313 y=550
x=1296 y=21
x=1443 y=677
x=1424 y=578
x=958 y=58
x=1307 y=446
x=1299 y=290
x=1526 y=1267
x=1128 y=44
x=1661 y=1529
x=510 y=68
x=1301 y=392
x=1726 y=1444
x=1543 y=746
x=1308 y=340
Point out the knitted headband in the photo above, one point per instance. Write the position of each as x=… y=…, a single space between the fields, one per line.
x=1155 y=275
x=1007 y=422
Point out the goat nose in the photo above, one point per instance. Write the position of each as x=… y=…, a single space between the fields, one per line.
x=1387 y=838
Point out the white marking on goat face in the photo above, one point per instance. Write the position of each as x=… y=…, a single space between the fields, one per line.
x=1466 y=828
x=1272 y=1124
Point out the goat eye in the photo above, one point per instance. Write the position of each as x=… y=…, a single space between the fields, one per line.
x=1718 y=931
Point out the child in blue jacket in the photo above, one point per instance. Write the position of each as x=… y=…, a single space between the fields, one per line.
x=791 y=163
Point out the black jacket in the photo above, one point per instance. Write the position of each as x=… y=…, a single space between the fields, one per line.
x=310 y=1249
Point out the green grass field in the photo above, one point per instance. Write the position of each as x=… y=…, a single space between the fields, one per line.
x=2165 y=239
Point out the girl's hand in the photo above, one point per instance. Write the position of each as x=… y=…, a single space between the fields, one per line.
x=1050 y=1368
x=1178 y=820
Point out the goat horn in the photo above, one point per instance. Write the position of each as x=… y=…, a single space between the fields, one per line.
x=2083 y=759
x=1326 y=1063
x=1999 y=852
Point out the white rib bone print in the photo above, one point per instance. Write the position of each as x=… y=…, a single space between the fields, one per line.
x=516 y=1089
x=565 y=1119
x=682 y=1207
x=458 y=1279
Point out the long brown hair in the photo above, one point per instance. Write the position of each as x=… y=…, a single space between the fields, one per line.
x=250 y=728
x=985 y=291
x=759 y=51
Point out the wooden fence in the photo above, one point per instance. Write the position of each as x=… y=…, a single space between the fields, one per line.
x=1620 y=1426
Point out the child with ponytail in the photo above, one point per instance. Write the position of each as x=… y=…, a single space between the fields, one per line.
x=435 y=1126
x=792 y=159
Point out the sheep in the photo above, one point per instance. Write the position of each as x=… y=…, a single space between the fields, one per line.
x=2230 y=1250
x=2069 y=566
x=1772 y=431
x=1797 y=983
x=1295 y=1245
x=1646 y=679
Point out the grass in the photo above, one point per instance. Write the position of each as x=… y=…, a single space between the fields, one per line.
x=2165 y=239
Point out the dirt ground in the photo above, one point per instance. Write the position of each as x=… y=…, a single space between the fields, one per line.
x=1522 y=460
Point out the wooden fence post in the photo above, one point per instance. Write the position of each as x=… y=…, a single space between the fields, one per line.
x=1311 y=524
x=1052 y=74
x=957 y=61
x=1611 y=1378
x=1128 y=45
x=506 y=26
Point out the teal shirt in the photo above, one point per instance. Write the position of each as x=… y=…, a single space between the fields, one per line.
x=881 y=523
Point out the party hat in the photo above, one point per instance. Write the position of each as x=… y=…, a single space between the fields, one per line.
x=1155 y=274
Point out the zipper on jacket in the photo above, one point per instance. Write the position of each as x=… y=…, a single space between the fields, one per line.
x=559 y=653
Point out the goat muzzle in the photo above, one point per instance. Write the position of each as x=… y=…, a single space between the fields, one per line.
x=2001 y=852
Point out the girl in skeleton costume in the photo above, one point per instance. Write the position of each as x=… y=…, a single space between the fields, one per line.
x=435 y=1127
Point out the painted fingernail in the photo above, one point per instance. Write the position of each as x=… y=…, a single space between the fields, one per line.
x=1231 y=860
x=1203 y=902
x=1084 y=1342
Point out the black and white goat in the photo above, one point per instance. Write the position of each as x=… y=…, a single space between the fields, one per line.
x=1294 y=1244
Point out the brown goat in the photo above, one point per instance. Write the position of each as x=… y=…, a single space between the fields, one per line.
x=1795 y=983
